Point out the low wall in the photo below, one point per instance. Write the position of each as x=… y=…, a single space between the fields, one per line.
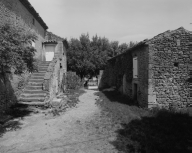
x=11 y=86
x=118 y=73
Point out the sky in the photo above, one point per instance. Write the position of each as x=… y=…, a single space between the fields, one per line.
x=117 y=20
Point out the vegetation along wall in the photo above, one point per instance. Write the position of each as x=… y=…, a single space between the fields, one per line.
x=19 y=13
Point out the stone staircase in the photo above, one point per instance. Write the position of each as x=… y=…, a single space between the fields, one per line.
x=33 y=93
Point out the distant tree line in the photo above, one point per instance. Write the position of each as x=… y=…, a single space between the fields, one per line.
x=87 y=56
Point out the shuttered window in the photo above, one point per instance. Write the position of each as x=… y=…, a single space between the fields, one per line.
x=135 y=67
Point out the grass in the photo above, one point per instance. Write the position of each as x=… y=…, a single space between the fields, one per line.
x=154 y=131
x=73 y=96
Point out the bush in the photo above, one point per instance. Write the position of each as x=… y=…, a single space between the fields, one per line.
x=73 y=81
x=16 y=52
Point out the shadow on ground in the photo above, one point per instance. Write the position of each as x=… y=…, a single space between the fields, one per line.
x=11 y=120
x=155 y=131
x=159 y=132
x=115 y=96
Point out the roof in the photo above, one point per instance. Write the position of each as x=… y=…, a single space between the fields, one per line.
x=50 y=42
x=149 y=41
x=34 y=13
x=51 y=36
x=130 y=49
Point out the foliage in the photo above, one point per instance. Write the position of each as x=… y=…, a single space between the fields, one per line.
x=16 y=53
x=73 y=81
x=87 y=56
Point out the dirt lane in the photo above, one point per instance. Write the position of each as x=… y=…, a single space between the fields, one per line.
x=84 y=128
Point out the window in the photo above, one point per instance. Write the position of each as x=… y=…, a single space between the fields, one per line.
x=176 y=64
x=135 y=67
x=33 y=21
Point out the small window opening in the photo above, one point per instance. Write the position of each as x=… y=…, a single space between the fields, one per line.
x=33 y=21
x=135 y=91
x=178 y=42
x=176 y=64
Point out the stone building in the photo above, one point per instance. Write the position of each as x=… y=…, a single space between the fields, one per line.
x=21 y=13
x=50 y=55
x=155 y=72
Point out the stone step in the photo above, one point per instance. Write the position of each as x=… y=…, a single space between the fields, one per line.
x=29 y=99
x=37 y=77
x=32 y=95
x=45 y=62
x=43 y=66
x=34 y=103
x=36 y=80
x=42 y=71
x=33 y=90
x=38 y=74
x=35 y=84
x=34 y=87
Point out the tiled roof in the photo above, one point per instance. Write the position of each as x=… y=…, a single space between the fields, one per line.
x=51 y=36
x=50 y=41
x=34 y=13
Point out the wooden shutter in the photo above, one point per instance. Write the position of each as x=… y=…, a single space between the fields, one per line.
x=135 y=67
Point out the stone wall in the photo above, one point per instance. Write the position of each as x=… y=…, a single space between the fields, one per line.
x=169 y=68
x=117 y=72
x=7 y=93
x=190 y=69
x=164 y=64
x=142 y=55
x=15 y=13
x=56 y=72
x=19 y=13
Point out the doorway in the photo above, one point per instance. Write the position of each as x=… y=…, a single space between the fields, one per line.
x=49 y=51
x=135 y=87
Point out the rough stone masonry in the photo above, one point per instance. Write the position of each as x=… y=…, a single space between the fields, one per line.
x=164 y=65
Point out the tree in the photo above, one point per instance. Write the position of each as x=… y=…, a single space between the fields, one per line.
x=16 y=53
x=114 y=48
x=78 y=55
x=87 y=57
x=131 y=44
x=122 y=48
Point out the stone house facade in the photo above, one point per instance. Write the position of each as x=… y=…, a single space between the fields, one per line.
x=22 y=14
x=155 y=72
x=50 y=74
